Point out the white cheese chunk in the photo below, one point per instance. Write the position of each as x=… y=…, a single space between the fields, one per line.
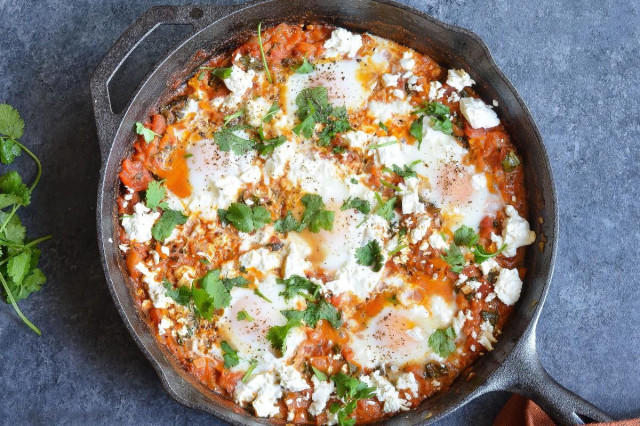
x=256 y=110
x=164 y=325
x=437 y=242
x=489 y=265
x=342 y=42
x=321 y=393
x=261 y=259
x=390 y=80
x=291 y=379
x=486 y=335
x=407 y=381
x=138 y=225
x=459 y=79
x=435 y=90
x=478 y=114
x=410 y=198
x=384 y=111
x=386 y=392
x=357 y=139
x=508 y=286
x=419 y=232
x=157 y=292
x=388 y=150
x=407 y=62
x=515 y=233
x=296 y=261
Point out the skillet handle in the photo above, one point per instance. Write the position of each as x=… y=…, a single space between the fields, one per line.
x=107 y=122
x=525 y=375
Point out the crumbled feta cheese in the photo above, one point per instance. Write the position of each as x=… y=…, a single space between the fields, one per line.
x=259 y=237
x=261 y=259
x=165 y=323
x=165 y=250
x=508 y=286
x=342 y=42
x=239 y=82
x=453 y=97
x=410 y=199
x=292 y=341
x=437 y=242
x=458 y=322
x=478 y=114
x=256 y=110
x=422 y=226
x=275 y=164
x=138 y=225
x=416 y=333
x=412 y=84
x=459 y=79
x=357 y=139
x=488 y=265
x=441 y=309
x=390 y=79
x=407 y=62
x=486 y=337
x=386 y=392
x=408 y=382
x=387 y=155
x=321 y=393
x=399 y=93
x=435 y=90
x=515 y=233
x=296 y=261
x=263 y=391
x=157 y=292
x=495 y=103
x=291 y=379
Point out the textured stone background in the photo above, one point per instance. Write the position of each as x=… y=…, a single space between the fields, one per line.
x=576 y=64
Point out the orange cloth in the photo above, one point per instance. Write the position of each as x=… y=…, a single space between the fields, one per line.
x=519 y=411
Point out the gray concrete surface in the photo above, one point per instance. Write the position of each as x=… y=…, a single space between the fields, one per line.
x=576 y=64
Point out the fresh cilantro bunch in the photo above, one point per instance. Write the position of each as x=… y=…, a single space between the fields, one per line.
x=19 y=272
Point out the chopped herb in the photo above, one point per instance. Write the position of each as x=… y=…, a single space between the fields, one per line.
x=181 y=294
x=453 y=256
x=353 y=181
x=385 y=208
x=289 y=223
x=480 y=254
x=390 y=185
x=383 y=126
x=405 y=171
x=244 y=316
x=167 y=222
x=259 y=294
x=306 y=67
x=397 y=249
x=231 y=358
x=188 y=155
x=319 y=374
x=442 y=341
x=465 y=236
x=443 y=125
x=370 y=255
x=313 y=107
x=227 y=140
x=252 y=366
x=357 y=203
x=492 y=317
x=271 y=113
x=277 y=335
x=510 y=162
x=148 y=134
x=245 y=218
x=264 y=58
x=204 y=261
x=155 y=194
x=350 y=390
x=338 y=122
x=315 y=217
x=228 y=118
x=382 y=145
x=296 y=285
x=219 y=72
x=439 y=119
x=267 y=146
x=415 y=129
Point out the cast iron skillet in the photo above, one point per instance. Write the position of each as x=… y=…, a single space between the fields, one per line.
x=514 y=364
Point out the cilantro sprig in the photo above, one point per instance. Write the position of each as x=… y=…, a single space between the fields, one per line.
x=442 y=341
x=357 y=203
x=245 y=218
x=306 y=67
x=314 y=218
x=264 y=58
x=439 y=114
x=466 y=236
x=313 y=107
x=148 y=134
x=296 y=285
x=19 y=272
x=350 y=389
x=370 y=255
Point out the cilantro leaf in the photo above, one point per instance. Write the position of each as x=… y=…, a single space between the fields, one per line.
x=14 y=232
x=348 y=387
x=9 y=150
x=385 y=208
x=305 y=127
x=244 y=316
x=14 y=191
x=314 y=312
x=216 y=289
x=439 y=119
x=219 y=72
x=313 y=107
x=442 y=124
x=356 y=203
x=480 y=254
x=416 y=128
x=442 y=341
x=435 y=109
x=297 y=285
x=405 y=171
x=267 y=146
x=227 y=140
x=245 y=218
x=11 y=124
x=148 y=134
x=337 y=123
x=314 y=216
x=18 y=266
x=465 y=236
x=32 y=282
x=238 y=281
x=509 y=164
x=288 y=223
x=453 y=256
x=164 y=226
x=319 y=374
x=181 y=294
x=231 y=358
x=370 y=255
x=155 y=194
x=277 y=335
x=252 y=366
x=228 y=118
x=273 y=110
x=306 y=67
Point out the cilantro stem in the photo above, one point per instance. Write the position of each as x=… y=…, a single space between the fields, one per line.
x=382 y=145
x=390 y=185
x=33 y=156
x=25 y=246
x=17 y=309
x=264 y=59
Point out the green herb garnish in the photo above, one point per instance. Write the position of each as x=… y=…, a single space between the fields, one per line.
x=370 y=255
x=244 y=316
x=228 y=118
x=442 y=341
x=155 y=194
x=264 y=58
x=231 y=358
x=227 y=140
x=148 y=134
x=357 y=203
x=167 y=222
x=306 y=67
x=245 y=218
x=510 y=162
x=252 y=366
x=296 y=285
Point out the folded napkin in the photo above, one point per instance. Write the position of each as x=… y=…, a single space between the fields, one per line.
x=520 y=411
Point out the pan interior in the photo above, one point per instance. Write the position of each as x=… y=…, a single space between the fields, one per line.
x=450 y=47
